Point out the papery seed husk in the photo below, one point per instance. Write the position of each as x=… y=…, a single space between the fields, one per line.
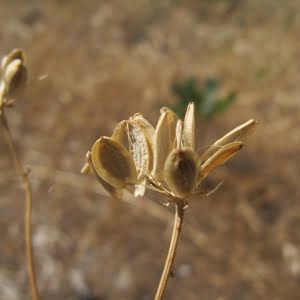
x=237 y=134
x=148 y=129
x=164 y=139
x=113 y=163
x=113 y=191
x=138 y=148
x=219 y=158
x=149 y=133
x=181 y=172
x=189 y=127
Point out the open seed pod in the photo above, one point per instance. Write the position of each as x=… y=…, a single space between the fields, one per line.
x=181 y=172
x=113 y=163
x=139 y=149
x=219 y=158
x=189 y=127
x=237 y=134
x=164 y=140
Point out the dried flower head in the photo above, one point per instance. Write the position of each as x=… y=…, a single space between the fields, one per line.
x=140 y=158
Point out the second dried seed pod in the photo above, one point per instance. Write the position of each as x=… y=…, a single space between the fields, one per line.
x=181 y=172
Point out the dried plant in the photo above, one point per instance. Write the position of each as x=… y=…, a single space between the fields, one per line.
x=13 y=78
x=144 y=160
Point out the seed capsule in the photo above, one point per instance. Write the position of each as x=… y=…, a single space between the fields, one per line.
x=219 y=158
x=113 y=163
x=189 y=127
x=181 y=172
x=164 y=140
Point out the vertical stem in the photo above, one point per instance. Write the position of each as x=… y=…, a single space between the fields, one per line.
x=172 y=250
x=28 y=204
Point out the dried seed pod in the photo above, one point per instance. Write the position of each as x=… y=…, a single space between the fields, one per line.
x=13 y=55
x=120 y=134
x=148 y=129
x=113 y=191
x=181 y=172
x=237 y=133
x=138 y=148
x=189 y=127
x=113 y=163
x=149 y=133
x=14 y=77
x=179 y=134
x=164 y=140
x=219 y=158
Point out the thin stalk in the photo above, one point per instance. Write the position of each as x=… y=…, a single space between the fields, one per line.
x=179 y=212
x=28 y=204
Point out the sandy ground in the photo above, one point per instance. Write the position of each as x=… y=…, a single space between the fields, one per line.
x=92 y=65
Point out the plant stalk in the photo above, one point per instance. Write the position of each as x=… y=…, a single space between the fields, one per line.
x=179 y=212
x=28 y=206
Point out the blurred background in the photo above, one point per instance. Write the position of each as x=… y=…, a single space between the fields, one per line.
x=94 y=63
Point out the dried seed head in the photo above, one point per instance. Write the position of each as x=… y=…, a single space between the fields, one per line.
x=120 y=134
x=181 y=172
x=113 y=163
x=189 y=127
x=219 y=158
x=164 y=140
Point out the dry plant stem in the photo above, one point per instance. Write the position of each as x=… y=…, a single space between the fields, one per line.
x=28 y=204
x=172 y=249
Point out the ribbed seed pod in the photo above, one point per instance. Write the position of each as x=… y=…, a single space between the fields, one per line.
x=181 y=172
x=113 y=163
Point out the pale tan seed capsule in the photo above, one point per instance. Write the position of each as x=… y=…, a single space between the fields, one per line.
x=113 y=163
x=179 y=134
x=181 y=172
x=120 y=134
x=189 y=127
x=14 y=54
x=219 y=158
x=237 y=134
x=113 y=191
x=164 y=140
x=14 y=77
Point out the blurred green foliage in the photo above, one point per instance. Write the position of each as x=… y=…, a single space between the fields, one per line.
x=206 y=99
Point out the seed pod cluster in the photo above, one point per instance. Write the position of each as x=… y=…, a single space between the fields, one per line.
x=163 y=159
